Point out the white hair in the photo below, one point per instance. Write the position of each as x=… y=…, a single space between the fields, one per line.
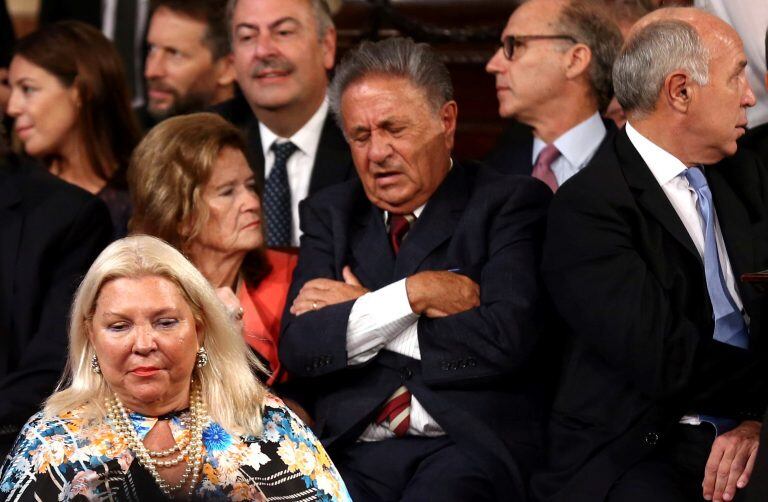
x=233 y=395
x=650 y=55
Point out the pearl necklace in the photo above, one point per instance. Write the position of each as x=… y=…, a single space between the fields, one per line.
x=192 y=448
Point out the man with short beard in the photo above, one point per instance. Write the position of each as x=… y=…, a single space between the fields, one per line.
x=282 y=51
x=188 y=67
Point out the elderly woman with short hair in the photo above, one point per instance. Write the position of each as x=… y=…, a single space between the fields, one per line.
x=159 y=399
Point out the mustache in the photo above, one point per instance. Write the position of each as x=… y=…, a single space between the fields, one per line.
x=156 y=85
x=275 y=63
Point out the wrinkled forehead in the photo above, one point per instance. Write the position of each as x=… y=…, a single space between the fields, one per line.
x=535 y=17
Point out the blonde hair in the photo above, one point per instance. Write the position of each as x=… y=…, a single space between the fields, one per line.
x=232 y=394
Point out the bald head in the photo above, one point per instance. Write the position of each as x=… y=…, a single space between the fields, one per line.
x=681 y=73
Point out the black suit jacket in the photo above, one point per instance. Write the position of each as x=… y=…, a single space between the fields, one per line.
x=629 y=282
x=474 y=376
x=756 y=140
x=50 y=232
x=333 y=163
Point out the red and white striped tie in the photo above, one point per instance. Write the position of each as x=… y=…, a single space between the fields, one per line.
x=397 y=411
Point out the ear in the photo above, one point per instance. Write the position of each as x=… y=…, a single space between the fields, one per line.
x=448 y=114
x=224 y=69
x=328 y=44
x=577 y=60
x=678 y=91
x=75 y=95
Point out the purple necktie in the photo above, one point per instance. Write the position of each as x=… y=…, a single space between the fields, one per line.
x=543 y=168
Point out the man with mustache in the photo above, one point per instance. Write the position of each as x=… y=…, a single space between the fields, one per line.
x=282 y=52
x=553 y=74
x=413 y=306
x=188 y=66
x=664 y=385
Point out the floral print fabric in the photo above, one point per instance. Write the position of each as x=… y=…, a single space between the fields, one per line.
x=69 y=458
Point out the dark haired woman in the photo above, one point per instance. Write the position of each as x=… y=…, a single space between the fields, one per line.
x=71 y=108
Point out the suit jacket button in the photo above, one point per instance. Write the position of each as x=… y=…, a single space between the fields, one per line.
x=406 y=373
x=309 y=368
x=651 y=438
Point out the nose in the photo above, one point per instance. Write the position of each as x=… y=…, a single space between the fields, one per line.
x=14 y=104
x=154 y=67
x=251 y=201
x=748 y=99
x=265 y=46
x=494 y=64
x=379 y=148
x=144 y=341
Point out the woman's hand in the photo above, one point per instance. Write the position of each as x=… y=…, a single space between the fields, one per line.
x=232 y=304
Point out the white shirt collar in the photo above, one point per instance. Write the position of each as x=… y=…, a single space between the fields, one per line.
x=664 y=166
x=306 y=139
x=578 y=143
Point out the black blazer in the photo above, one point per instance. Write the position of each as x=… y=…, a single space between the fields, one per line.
x=50 y=232
x=474 y=376
x=333 y=162
x=626 y=277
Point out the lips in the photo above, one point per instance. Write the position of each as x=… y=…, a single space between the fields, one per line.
x=23 y=132
x=144 y=371
x=252 y=224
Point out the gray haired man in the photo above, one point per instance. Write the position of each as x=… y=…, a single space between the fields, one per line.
x=664 y=383
x=412 y=307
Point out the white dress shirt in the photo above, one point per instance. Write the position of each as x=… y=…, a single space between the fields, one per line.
x=300 y=164
x=749 y=18
x=668 y=171
x=576 y=146
x=383 y=319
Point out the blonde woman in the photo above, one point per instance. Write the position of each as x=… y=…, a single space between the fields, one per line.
x=159 y=399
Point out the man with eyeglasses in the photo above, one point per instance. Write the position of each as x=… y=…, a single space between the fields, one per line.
x=553 y=74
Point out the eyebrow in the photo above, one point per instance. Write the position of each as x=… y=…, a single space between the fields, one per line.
x=154 y=313
x=272 y=25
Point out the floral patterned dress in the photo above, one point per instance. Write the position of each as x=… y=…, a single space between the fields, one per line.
x=68 y=458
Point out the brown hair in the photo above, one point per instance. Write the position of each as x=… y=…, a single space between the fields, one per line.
x=81 y=56
x=167 y=176
x=211 y=12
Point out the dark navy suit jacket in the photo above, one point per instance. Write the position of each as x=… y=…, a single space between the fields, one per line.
x=475 y=373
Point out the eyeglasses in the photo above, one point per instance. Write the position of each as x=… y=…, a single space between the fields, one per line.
x=510 y=42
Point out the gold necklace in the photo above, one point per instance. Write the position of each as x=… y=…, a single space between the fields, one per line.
x=192 y=449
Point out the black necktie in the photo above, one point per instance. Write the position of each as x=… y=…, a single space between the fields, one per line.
x=277 y=197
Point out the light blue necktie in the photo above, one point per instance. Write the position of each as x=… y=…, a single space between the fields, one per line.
x=729 y=323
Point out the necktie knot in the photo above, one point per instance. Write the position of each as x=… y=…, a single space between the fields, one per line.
x=399 y=224
x=695 y=178
x=283 y=151
x=549 y=154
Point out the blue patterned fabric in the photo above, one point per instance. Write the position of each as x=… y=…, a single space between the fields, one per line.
x=69 y=456
x=277 y=197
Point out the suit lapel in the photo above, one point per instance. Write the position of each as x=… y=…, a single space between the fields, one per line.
x=737 y=206
x=436 y=223
x=332 y=160
x=371 y=251
x=256 y=150
x=650 y=195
